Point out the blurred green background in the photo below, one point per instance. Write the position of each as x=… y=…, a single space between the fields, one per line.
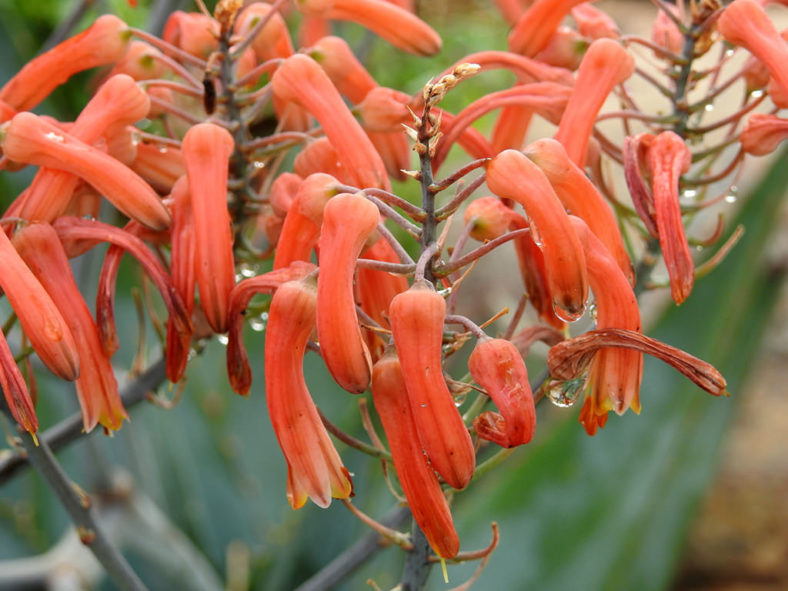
x=205 y=481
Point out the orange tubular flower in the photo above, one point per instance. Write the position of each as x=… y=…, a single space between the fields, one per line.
x=547 y=99
x=301 y=228
x=535 y=27
x=375 y=290
x=15 y=389
x=159 y=166
x=315 y=469
x=419 y=482
x=580 y=196
x=301 y=80
x=605 y=65
x=238 y=369
x=117 y=103
x=399 y=27
x=745 y=23
x=594 y=23
x=32 y=140
x=183 y=277
x=97 y=389
x=206 y=153
x=763 y=133
x=511 y=175
x=79 y=235
x=320 y=156
x=669 y=157
x=273 y=40
x=346 y=72
x=104 y=42
x=417 y=327
x=492 y=219
x=497 y=366
x=192 y=32
x=348 y=222
x=615 y=373
x=40 y=318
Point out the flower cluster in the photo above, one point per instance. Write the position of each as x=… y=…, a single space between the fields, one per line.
x=172 y=139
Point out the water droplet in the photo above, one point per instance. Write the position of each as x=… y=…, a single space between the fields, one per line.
x=592 y=311
x=565 y=393
x=689 y=194
x=163 y=149
x=708 y=108
x=729 y=52
x=567 y=315
x=757 y=93
x=258 y=164
x=247 y=270
x=54 y=137
x=222 y=338
x=258 y=323
x=730 y=198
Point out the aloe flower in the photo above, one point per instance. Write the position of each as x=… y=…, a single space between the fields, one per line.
x=348 y=222
x=763 y=133
x=605 y=65
x=315 y=469
x=535 y=27
x=41 y=320
x=104 y=42
x=97 y=389
x=417 y=478
x=33 y=140
x=15 y=390
x=399 y=27
x=511 y=175
x=417 y=317
x=301 y=80
x=206 y=154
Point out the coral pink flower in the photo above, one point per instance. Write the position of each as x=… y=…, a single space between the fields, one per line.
x=192 y=32
x=41 y=321
x=301 y=228
x=615 y=373
x=273 y=40
x=320 y=156
x=511 y=175
x=15 y=389
x=238 y=370
x=301 y=80
x=665 y=33
x=535 y=27
x=594 y=23
x=763 y=133
x=399 y=27
x=315 y=469
x=159 y=166
x=206 y=153
x=669 y=157
x=547 y=99
x=32 y=140
x=417 y=317
x=745 y=23
x=417 y=478
x=565 y=49
x=79 y=235
x=346 y=72
x=497 y=366
x=605 y=65
x=581 y=197
x=97 y=389
x=104 y=42
x=348 y=222
x=395 y=151
x=117 y=103
x=140 y=62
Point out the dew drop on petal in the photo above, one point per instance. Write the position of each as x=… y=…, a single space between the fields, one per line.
x=567 y=315
x=565 y=393
x=223 y=339
x=54 y=137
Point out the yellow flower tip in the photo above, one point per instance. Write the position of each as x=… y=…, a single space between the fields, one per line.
x=35 y=439
x=444 y=570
